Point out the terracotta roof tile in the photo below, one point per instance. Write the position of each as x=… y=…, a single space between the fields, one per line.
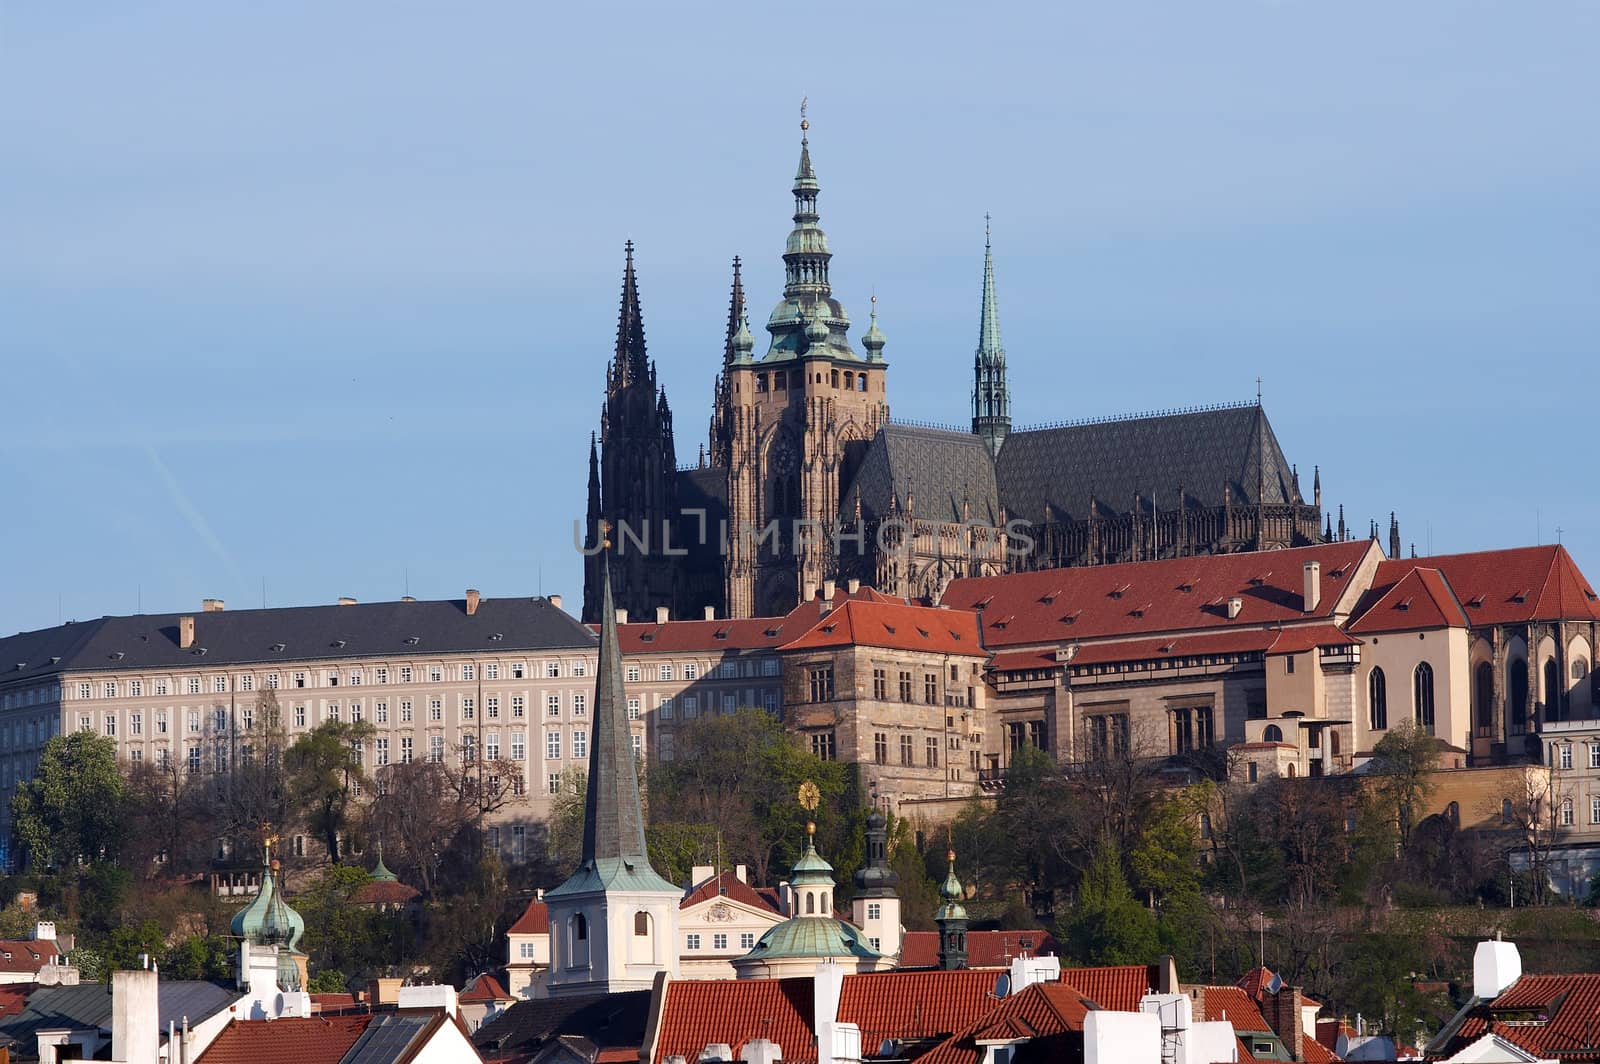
x=1569 y=1005
x=1016 y=660
x=485 y=988
x=1504 y=586
x=1050 y=1015
x=1421 y=600
x=893 y=625
x=744 y=633
x=535 y=920
x=1053 y=606
x=697 y=1013
x=26 y=955
x=1236 y=1006
x=728 y=885
x=915 y=1004
x=1169 y=647
x=1118 y=987
x=385 y=892
x=1304 y=637
x=985 y=949
x=319 y=1040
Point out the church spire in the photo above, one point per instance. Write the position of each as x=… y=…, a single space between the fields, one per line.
x=613 y=816
x=735 y=317
x=631 y=362
x=951 y=917
x=991 y=399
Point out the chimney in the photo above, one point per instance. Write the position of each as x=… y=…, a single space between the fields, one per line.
x=211 y=605
x=810 y=591
x=699 y=873
x=186 y=632
x=472 y=601
x=1235 y=604
x=852 y=585
x=622 y=615
x=662 y=614
x=741 y=873
x=135 y=1022
x=1282 y=1013
x=554 y=600
x=1495 y=966
x=828 y=588
x=711 y=613
x=346 y=600
x=1312 y=595
x=44 y=931
x=428 y=996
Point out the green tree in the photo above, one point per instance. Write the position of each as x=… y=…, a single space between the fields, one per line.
x=341 y=935
x=199 y=957
x=323 y=771
x=72 y=808
x=1401 y=778
x=327 y=981
x=1108 y=926
x=124 y=946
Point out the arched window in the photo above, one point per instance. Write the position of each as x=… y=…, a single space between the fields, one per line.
x=1505 y=811
x=827 y=909
x=1552 y=690
x=641 y=924
x=1333 y=742
x=1580 y=668
x=1452 y=813
x=1483 y=695
x=1422 y=694
x=1272 y=734
x=1518 y=695
x=811 y=904
x=580 y=928
x=1377 y=701
x=1291 y=771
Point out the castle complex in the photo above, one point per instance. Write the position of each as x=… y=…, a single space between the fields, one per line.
x=806 y=477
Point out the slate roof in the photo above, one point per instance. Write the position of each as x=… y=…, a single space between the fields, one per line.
x=934 y=468
x=606 y=1020
x=88 y=1006
x=319 y=1040
x=306 y=633
x=1198 y=451
x=1055 y=606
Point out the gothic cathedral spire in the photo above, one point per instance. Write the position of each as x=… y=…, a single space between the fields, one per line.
x=991 y=401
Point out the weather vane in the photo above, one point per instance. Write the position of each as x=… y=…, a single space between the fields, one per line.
x=804 y=125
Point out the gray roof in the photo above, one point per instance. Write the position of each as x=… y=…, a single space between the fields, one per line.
x=606 y=1020
x=88 y=1007
x=935 y=468
x=387 y=1037
x=1198 y=451
x=237 y=637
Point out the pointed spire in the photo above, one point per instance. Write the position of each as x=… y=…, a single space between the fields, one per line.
x=736 y=317
x=991 y=396
x=806 y=255
x=951 y=917
x=1342 y=533
x=1394 y=535
x=380 y=871
x=631 y=361
x=613 y=815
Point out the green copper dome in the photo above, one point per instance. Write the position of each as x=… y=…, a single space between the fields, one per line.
x=873 y=339
x=268 y=920
x=812 y=869
x=952 y=893
x=812 y=936
x=380 y=871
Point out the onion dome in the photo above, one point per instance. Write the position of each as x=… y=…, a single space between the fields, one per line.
x=873 y=340
x=952 y=893
x=743 y=342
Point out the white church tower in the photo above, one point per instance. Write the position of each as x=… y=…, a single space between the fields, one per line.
x=614 y=924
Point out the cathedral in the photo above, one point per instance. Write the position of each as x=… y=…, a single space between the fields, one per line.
x=807 y=478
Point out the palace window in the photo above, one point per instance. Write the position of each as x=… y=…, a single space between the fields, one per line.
x=880 y=748
x=930 y=688
x=932 y=753
x=580 y=742
x=906 y=751
x=822 y=745
x=821 y=683
x=905 y=686
x=1422 y=694
x=1191 y=729
x=1377 y=701
x=880 y=684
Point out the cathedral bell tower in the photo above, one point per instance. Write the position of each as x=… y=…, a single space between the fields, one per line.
x=991 y=400
x=792 y=426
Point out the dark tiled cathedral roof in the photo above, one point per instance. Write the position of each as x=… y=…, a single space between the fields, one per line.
x=1199 y=451
x=935 y=468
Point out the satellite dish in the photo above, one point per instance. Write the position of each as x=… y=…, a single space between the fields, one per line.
x=1002 y=984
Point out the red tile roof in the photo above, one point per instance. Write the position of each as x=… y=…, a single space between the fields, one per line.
x=1049 y=1015
x=697 y=1013
x=1017 y=660
x=744 y=633
x=1118 y=987
x=14 y=998
x=1236 y=1006
x=1505 y=586
x=485 y=987
x=27 y=955
x=915 y=1004
x=1241 y=642
x=1304 y=637
x=985 y=949
x=1421 y=600
x=895 y=626
x=727 y=885
x=1569 y=1005
x=1137 y=598
x=319 y=1040
x=331 y=1003
x=535 y=920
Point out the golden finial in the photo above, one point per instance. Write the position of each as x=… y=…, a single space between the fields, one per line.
x=950 y=855
x=810 y=797
x=811 y=828
x=804 y=125
x=605 y=535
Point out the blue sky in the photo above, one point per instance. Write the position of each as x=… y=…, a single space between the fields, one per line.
x=319 y=296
